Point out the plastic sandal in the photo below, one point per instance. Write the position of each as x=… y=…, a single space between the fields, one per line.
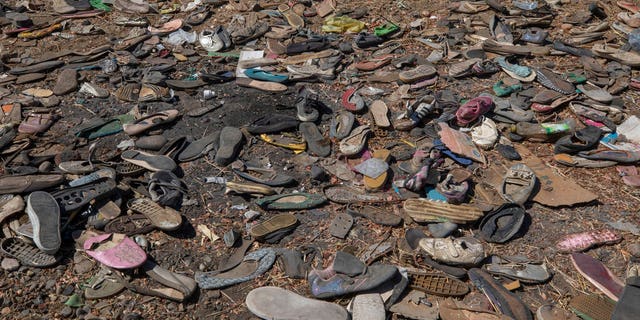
x=164 y=218
x=74 y=198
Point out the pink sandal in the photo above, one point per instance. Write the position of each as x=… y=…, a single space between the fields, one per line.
x=577 y=242
x=474 y=108
x=115 y=250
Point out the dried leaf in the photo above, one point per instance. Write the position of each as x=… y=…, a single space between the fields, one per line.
x=208 y=233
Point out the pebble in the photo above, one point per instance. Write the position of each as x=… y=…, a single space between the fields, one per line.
x=634 y=249
x=10 y=264
x=67 y=291
x=50 y=284
x=66 y=312
x=318 y=173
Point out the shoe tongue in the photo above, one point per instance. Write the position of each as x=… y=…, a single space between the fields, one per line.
x=348 y=264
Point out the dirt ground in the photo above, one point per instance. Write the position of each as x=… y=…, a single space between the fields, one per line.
x=31 y=293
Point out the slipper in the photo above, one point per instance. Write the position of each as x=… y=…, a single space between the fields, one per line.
x=595 y=93
x=115 y=250
x=425 y=210
x=130 y=225
x=437 y=284
x=493 y=46
x=317 y=144
x=468 y=7
x=460 y=251
x=518 y=269
x=598 y=274
x=577 y=242
x=102 y=285
x=273 y=123
x=292 y=18
x=518 y=184
x=365 y=40
x=592 y=306
x=373 y=182
x=73 y=198
x=340 y=225
x=274 y=224
x=269 y=177
x=502 y=224
x=378 y=214
x=261 y=85
x=230 y=143
x=474 y=108
x=166 y=28
x=44 y=215
x=185 y=286
x=145 y=123
x=292 y=201
x=277 y=303
x=36 y=123
x=356 y=141
x=374 y=63
x=263 y=75
x=200 y=147
x=26 y=254
x=504 y=301
x=379 y=111
x=254 y=264
x=421 y=72
x=341 y=124
x=10 y=205
x=164 y=218
x=149 y=161
x=352 y=101
x=325 y=7
x=611 y=52
x=280 y=32
x=620 y=156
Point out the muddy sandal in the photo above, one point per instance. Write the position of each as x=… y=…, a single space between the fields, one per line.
x=130 y=225
x=26 y=254
x=74 y=198
x=164 y=218
x=102 y=285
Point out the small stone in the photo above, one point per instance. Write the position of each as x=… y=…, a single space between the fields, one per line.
x=634 y=249
x=442 y=230
x=67 y=291
x=67 y=82
x=50 y=101
x=50 y=284
x=214 y=294
x=45 y=166
x=10 y=264
x=318 y=173
x=566 y=26
x=66 y=312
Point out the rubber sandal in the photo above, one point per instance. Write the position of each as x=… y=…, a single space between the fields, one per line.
x=267 y=177
x=291 y=201
x=149 y=161
x=230 y=142
x=352 y=101
x=577 y=242
x=128 y=169
x=502 y=224
x=424 y=210
x=74 y=198
x=130 y=225
x=164 y=218
x=386 y=29
x=102 y=285
x=592 y=307
x=598 y=274
x=340 y=225
x=374 y=63
x=379 y=111
x=145 y=123
x=346 y=194
x=261 y=85
x=418 y=73
x=236 y=257
x=200 y=147
x=253 y=265
x=356 y=141
x=292 y=18
x=278 y=222
x=26 y=254
x=522 y=271
x=437 y=284
x=505 y=301
x=263 y=75
x=317 y=144
x=341 y=124
x=186 y=285
x=115 y=250
x=277 y=303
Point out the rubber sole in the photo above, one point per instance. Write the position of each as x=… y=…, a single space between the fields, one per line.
x=44 y=214
x=230 y=141
x=423 y=210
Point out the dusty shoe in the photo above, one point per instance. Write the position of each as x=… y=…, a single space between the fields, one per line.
x=460 y=251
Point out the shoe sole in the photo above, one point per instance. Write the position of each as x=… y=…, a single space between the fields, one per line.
x=437 y=284
x=44 y=214
x=230 y=142
x=423 y=210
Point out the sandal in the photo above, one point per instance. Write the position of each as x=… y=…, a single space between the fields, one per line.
x=164 y=218
x=26 y=254
x=115 y=250
x=74 y=198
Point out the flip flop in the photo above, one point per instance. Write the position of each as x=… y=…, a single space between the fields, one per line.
x=421 y=72
x=254 y=264
x=200 y=147
x=166 y=28
x=425 y=210
x=130 y=225
x=267 y=177
x=261 y=85
x=230 y=143
x=379 y=112
x=352 y=101
x=341 y=124
x=374 y=63
x=376 y=183
x=263 y=75
x=346 y=194
x=595 y=93
x=317 y=144
x=164 y=218
x=149 y=161
x=115 y=250
x=278 y=303
x=577 y=242
x=102 y=285
x=274 y=224
x=145 y=123
x=26 y=254
x=474 y=108
x=437 y=284
x=44 y=215
x=292 y=201
x=292 y=18
x=598 y=274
